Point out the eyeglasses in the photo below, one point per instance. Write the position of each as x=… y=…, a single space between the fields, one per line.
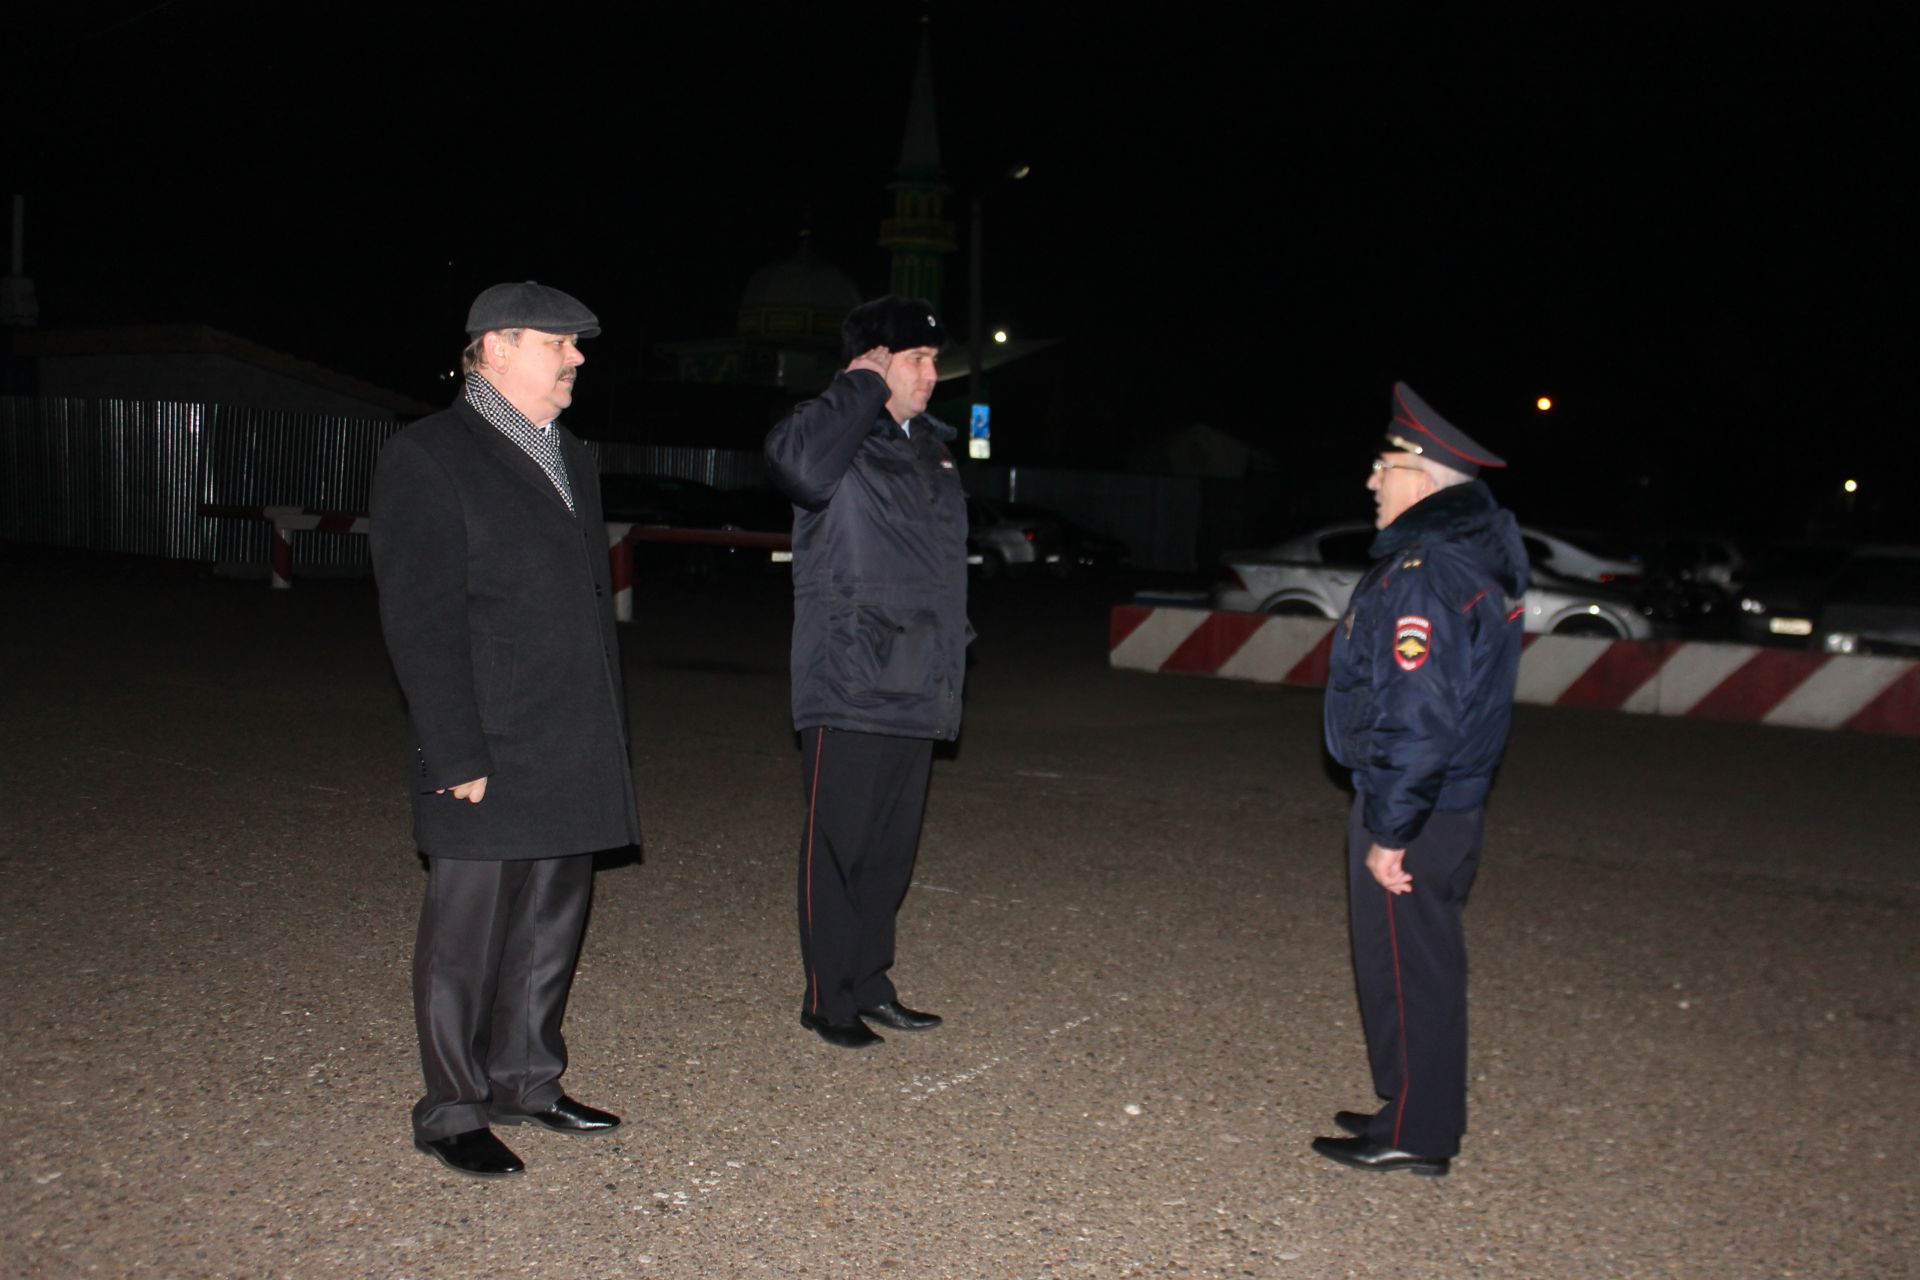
x=1380 y=466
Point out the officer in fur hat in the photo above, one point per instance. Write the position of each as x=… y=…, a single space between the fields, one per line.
x=1419 y=696
x=879 y=651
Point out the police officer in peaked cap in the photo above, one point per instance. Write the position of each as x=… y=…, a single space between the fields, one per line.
x=1419 y=698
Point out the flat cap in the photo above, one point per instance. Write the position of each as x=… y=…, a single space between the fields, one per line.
x=893 y=322
x=1417 y=428
x=530 y=305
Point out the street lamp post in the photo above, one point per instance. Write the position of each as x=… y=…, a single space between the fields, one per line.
x=977 y=320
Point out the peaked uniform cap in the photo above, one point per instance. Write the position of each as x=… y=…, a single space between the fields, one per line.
x=1417 y=428
x=530 y=305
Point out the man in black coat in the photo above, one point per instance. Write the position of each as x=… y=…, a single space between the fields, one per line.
x=879 y=651
x=491 y=558
x=1419 y=697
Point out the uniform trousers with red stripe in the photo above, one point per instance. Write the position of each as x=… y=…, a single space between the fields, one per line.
x=1410 y=965
x=866 y=795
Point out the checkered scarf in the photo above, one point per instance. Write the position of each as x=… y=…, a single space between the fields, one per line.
x=542 y=446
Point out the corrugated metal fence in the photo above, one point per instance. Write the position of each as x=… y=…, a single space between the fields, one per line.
x=130 y=475
x=721 y=468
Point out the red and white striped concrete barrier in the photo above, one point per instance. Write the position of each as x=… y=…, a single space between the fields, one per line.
x=286 y=522
x=620 y=553
x=1734 y=682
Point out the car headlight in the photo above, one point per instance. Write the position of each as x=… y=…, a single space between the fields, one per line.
x=1841 y=642
x=1749 y=604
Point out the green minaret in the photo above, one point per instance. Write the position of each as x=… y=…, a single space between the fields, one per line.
x=918 y=234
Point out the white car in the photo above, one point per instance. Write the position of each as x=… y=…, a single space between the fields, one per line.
x=1001 y=542
x=1582 y=559
x=1314 y=574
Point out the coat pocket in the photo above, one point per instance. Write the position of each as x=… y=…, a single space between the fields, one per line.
x=493 y=678
x=902 y=647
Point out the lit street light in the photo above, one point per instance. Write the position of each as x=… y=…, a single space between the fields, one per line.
x=1544 y=403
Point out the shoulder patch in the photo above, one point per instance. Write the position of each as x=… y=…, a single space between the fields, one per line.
x=1412 y=641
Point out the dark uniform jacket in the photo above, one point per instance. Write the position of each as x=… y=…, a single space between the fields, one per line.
x=879 y=564
x=1422 y=671
x=498 y=614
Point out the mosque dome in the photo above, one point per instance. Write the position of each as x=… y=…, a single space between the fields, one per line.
x=798 y=297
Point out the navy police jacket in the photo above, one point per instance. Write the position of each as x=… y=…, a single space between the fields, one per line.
x=880 y=626
x=1422 y=670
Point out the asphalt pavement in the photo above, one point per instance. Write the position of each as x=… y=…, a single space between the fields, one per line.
x=1694 y=997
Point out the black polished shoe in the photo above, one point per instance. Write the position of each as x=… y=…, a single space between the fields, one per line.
x=476 y=1153
x=900 y=1018
x=1353 y=1122
x=1360 y=1153
x=857 y=1036
x=566 y=1116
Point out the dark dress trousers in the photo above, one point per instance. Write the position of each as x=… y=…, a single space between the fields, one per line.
x=497 y=609
x=1419 y=699
x=866 y=796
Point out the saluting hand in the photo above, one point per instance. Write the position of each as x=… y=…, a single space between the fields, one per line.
x=877 y=360
x=1387 y=869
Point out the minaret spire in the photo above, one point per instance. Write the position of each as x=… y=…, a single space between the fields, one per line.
x=918 y=234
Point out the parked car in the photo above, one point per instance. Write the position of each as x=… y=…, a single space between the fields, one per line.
x=1570 y=607
x=1083 y=550
x=1782 y=591
x=1873 y=606
x=1867 y=602
x=1694 y=581
x=1000 y=541
x=1309 y=575
x=1706 y=558
x=1314 y=574
x=1590 y=556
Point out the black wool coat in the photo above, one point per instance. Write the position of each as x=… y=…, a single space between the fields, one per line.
x=497 y=607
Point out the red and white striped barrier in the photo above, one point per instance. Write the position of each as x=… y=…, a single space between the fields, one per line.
x=1733 y=682
x=620 y=553
x=286 y=522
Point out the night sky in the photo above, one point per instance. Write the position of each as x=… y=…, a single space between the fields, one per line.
x=1688 y=227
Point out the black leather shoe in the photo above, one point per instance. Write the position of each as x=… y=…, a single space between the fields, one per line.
x=566 y=1116
x=1359 y=1153
x=476 y=1153
x=900 y=1018
x=857 y=1036
x=1353 y=1122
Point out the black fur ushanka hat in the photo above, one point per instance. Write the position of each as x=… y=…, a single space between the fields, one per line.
x=898 y=324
